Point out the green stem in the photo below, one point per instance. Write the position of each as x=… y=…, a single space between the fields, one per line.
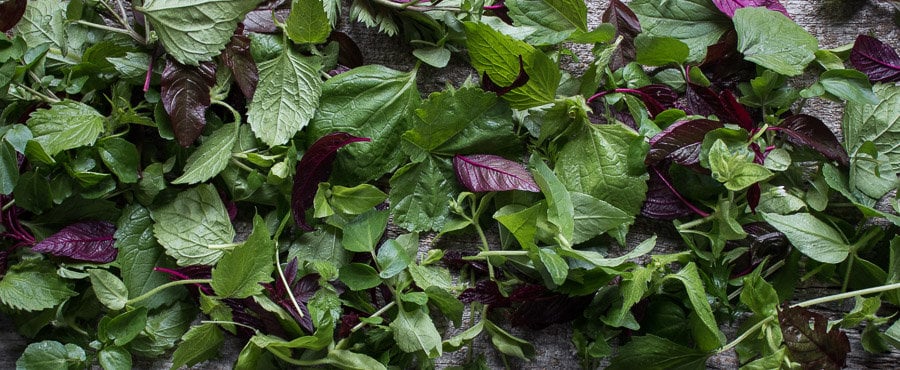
x=7 y=206
x=486 y=254
x=694 y=223
x=226 y=246
x=227 y=323
x=849 y=270
x=42 y=97
x=166 y=286
x=485 y=247
x=343 y=342
x=292 y=361
x=123 y=31
x=745 y=335
x=287 y=286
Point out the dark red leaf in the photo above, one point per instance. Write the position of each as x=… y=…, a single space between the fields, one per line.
x=500 y=10
x=260 y=20
x=313 y=168
x=237 y=58
x=724 y=65
x=90 y=241
x=876 y=59
x=807 y=337
x=349 y=54
x=489 y=85
x=536 y=308
x=185 y=94
x=735 y=112
x=12 y=11
x=702 y=100
x=485 y=172
x=809 y=131
x=754 y=192
x=663 y=201
x=729 y=6
x=485 y=292
x=679 y=139
x=627 y=25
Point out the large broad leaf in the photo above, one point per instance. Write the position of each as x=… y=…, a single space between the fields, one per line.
x=595 y=217
x=879 y=124
x=307 y=23
x=238 y=59
x=664 y=202
x=240 y=272
x=51 y=355
x=810 y=131
x=679 y=141
x=313 y=168
x=652 y=352
x=211 y=157
x=553 y=20
x=44 y=22
x=414 y=331
x=195 y=31
x=485 y=172
x=660 y=51
x=139 y=254
x=12 y=11
x=167 y=326
x=185 y=94
x=811 y=236
x=772 y=40
x=420 y=193
x=876 y=59
x=286 y=97
x=371 y=101
x=195 y=220
x=809 y=340
x=730 y=6
x=33 y=290
x=90 y=241
x=697 y=23
x=66 y=125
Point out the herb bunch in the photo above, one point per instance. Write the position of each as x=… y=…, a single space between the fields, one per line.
x=239 y=161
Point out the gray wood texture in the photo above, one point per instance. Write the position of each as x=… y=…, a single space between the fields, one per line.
x=833 y=22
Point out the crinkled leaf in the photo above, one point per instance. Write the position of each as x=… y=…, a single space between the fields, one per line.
x=12 y=11
x=813 y=237
x=307 y=23
x=772 y=40
x=199 y=344
x=879 y=124
x=211 y=157
x=809 y=131
x=485 y=172
x=90 y=241
x=729 y=6
x=414 y=331
x=678 y=141
x=809 y=340
x=33 y=290
x=241 y=271
x=876 y=59
x=51 y=355
x=44 y=22
x=313 y=168
x=553 y=20
x=652 y=352
x=286 y=97
x=195 y=220
x=238 y=59
x=66 y=125
x=697 y=23
x=195 y=31
x=420 y=193
x=109 y=289
x=185 y=93
x=164 y=328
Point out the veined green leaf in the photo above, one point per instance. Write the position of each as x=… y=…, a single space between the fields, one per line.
x=199 y=344
x=193 y=222
x=33 y=290
x=696 y=293
x=811 y=236
x=138 y=254
x=697 y=23
x=414 y=331
x=286 y=97
x=307 y=23
x=420 y=192
x=239 y=273
x=211 y=157
x=560 y=211
x=879 y=124
x=772 y=40
x=109 y=289
x=553 y=20
x=51 y=355
x=66 y=125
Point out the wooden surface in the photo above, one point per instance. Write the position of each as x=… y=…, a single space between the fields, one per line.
x=830 y=21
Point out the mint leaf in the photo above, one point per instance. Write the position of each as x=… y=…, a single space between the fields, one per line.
x=363 y=232
x=814 y=238
x=90 y=241
x=879 y=124
x=139 y=253
x=33 y=290
x=114 y=357
x=51 y=355
x=240 y=272
x=193 y=221
x=696 y=23
x=414 y=331
x=44 y=22
x=419 y=194
x=371 y=101
x=652 y=352
x=553 y=20
x=307 y=23
x=286 y=96
x=185 y=93
x=772 y=40
x=195 y=31
x=211 y=157
x=66 y=125
x=109 y=289
x=199 y=344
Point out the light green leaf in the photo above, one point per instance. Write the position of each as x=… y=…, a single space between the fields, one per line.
x=51 y=355
x=632 y=288
x=879 y=124
x=736 y=171
x=555 y=265
x=199 y=344
x=66 y=125
x=697 y=23
x=239 y=273
x=560 y=210
x=392 y=259
x=359 y=276
x=344 y=359
x=138 y=254
x=132 y=65
x=772 y=40
x=436 y=56
x=44 y=22
x=759 y=295
x=373 y=102
x=33 y=290
x=507 y=343
x=356 y=200
x=126 y=326
x=194 y=31
x=286 y=97
x=599 y=260
x=849 y=85
x=363 y=232
x=431 y=276
x=109 y=289
x=420 y=193
x=594 y=217
x=696 y=293
x=660 y=50
x=323 y=245
x=553 y=20
x=195 y=220
x=772 y=361
x=211 y=157
x=414 y=331
x=114 y=358
x=307 y=23
x=812 y=237
x=522 y=222
x=777 y=200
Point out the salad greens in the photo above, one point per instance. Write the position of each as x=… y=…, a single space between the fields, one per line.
x=176 y=172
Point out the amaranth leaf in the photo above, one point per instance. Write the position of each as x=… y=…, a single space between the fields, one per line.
x=697 y=23
x=809 y=340
x=185 y=94
x=485 y=172
x=680 y=142
x=876 y=59
x=238 y=59
x=809 y=131
x=211 y=157
x=12 y=11
x=85 y=241
x=729 y=6
x=627 y=26
x=772 y=40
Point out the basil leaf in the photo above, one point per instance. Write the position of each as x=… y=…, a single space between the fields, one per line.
x=814 y=238
x=708 y=335
x=127 y=326
x=187 y=226
x=121 y=157
x=164 y=328
x=66 y=125
x=33 y=290
x=356 y=200
x=772 y=40
x=286 y=96
x=414 y=331
x=307 y=23
x=241 y=272
x=696 y=23
x=211 y=157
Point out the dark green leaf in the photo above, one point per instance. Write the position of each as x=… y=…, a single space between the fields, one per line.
x=660 y=50
x=358 y=276
x=51 y=355
x=109 y=289
x=286 y=96
x=163 y=329
x=121 y=157
x=420 y=193
x=414 y=331
x=211 y=157
x=114 y=358
x=363 y=232
x=33 y=290
x=240 y=272
x=307 y=23
x=199 y=344
x=138 y=254
x=697 y=23
x=9 y=168
x=696 y=293
x=124 y=328
x=66 y=125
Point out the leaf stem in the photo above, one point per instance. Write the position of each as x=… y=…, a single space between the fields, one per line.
x=745 y=334
x=287 y=285
x=378 y=313
x=166 y=286
x=123 y=31
x=41 y=96
x=486 y=254
x=218 y=322
x=849 y=270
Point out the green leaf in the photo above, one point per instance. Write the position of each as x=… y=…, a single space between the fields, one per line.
x=31 y=192
x=194 y=31
x=109 y=289
x=650 y=352
x=371 y=101
x=553 y=20
x=211 y=157
x=660 y=50
x=594 y=217
x=323 y=245
x=114 y=358
x=121 y=157
x=66 y=125
x=307 y=23
x=759 y=295
x=555 y=265
x=363 y=232
x=164 y=328
x=44 y=22
x=33 y=290
x=356 y=200
x=358 y=276
x=286 y=97
x=772 y=40
x=344 y=359
x=420 y=193
x=239 y=273
x=51 y=355
x=879 y=124
x=696 y=292
x=814 y=238
x=600 y=261
x=507 y=343
x=497 y=55
x=697 y=23
x=138 y=254
x=392 y=259
x=436 y=56
x=632 y=289
x=560 y=210
x=414 y=331
x=849 y=85
x=431 y=276
x=9 y=168
x=123 y=328
x=199 y=344
x=447 y=302
x=522 y=222
x=736 y=171
x=195 y=220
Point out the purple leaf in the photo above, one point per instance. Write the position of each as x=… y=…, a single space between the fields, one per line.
x=260 y=20
x=349 y=54
x=12 y=11
x=489 y=85
x=809 y=131
x=500 y=10
x=729 y=6
x=812 y=344
x=627 y=25
x=537 y=308
x=702 y=101
x=484 y=292
x=876 y=59
x=724 y=64
x=313 y=168
x=185 y=94
x=679 y=139
x=237 y=58
x=664 y=202
x=485 y=172
x=735 y=112
x=90 y=241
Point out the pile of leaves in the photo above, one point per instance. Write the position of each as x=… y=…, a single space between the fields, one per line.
x=177 y=171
